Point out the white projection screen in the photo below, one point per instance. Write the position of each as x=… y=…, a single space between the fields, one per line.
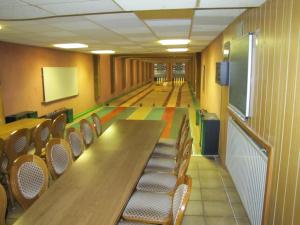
x=59 y=83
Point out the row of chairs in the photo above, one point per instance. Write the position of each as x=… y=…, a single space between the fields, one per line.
x=27 y=175
x=163 y=190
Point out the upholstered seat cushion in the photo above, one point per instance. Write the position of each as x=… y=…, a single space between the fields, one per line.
x=147 y=206
x=130 y=223
x=165 y=152
x=167 y=141
x=157 y=182
x=161 y=165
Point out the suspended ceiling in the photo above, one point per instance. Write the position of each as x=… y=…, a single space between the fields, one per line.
x=126 y=26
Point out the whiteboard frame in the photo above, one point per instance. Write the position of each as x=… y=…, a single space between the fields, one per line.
x=59 y=99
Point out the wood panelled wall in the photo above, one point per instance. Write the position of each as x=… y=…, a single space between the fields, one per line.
x=21 y=80
x=276 y=107
x=127 y=74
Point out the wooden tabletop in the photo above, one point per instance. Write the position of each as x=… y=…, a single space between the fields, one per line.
x=8 y=128
x=98 y=185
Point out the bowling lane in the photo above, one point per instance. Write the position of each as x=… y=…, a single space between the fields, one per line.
x=157 y=97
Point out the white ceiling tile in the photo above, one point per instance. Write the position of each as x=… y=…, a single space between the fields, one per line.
x=208 y=28
x=121 y=43
x=125 y=23
x=43 y=2
x=11 y=2
x=60 y=34
x=179 y=29
x=135 y=5
x=150 y=44
x=80 y=25
x=219 y=12
x=202 y=38
x=118 y=21
x=21 y=12
x=213 y=20
x=172 y=35
x=132 y=47
x=136 y=30
x=81 y=7
x=229 y=3
x=168 y=22
x=142 y=39
x=206 y=33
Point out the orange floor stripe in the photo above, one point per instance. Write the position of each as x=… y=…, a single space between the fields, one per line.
x=112 y=114
x=168 y=117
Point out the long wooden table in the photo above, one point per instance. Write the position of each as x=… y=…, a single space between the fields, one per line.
x=7 y=129
x=96 y=188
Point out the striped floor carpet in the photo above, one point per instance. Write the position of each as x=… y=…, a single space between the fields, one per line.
x=171 y=115
x=153 y=102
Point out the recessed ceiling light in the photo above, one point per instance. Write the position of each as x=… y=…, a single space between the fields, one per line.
x=177 y=49
x=174 y=42
x=0 y=27
x=103 y=52
x=70 y=45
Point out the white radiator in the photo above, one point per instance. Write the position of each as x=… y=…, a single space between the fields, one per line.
x=247 y=165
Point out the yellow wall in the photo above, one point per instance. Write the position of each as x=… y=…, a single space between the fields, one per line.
x=21 y=86
x=21 y=78
x=276 y=110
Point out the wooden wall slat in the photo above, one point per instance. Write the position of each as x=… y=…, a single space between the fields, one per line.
x=276 y=116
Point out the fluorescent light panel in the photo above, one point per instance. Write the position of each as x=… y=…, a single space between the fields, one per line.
x=135 y=5
x=70 y=45
x=103 y=52
x=174 y=42
x=177 y=49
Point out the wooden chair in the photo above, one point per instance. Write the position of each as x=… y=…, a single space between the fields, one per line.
x=29 y=179
x=162 y=182
x=17 y=145
x=75 y=140
x=97 y=124
x=58 y=126
x=170 y=142
x=58 y=156
x=158 y=208
x=41 y=136
x=87 y=132
x=4 y=172
x=169 y=151
x=169 y=165
x=3 y=205
x=166 y=182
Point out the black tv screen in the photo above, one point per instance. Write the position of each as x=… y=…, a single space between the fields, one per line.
x=240 y=75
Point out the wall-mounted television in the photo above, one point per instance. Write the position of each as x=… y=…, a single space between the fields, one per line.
x=241 y=74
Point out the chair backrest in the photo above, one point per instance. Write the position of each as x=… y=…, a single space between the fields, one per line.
x=58 y=126
x=3 y=158
x=3 y=205
x=29 y=179
x=97 y=124
x=75 y=140
x=183 y=169
x=41 y=136
x=58 y=156
x=87 y=132
x=180 y=130
x=183 y=139
x=16 y=145
x=180 y=200
x=187 y=150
